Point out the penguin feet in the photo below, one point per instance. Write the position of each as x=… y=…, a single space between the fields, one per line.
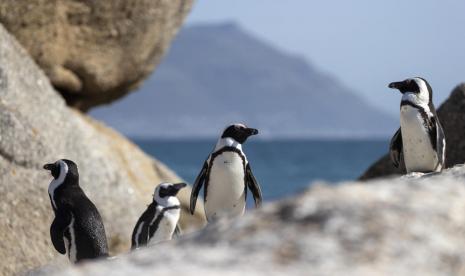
x=413 y=175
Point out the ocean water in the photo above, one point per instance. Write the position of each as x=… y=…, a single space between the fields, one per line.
x=283 y=167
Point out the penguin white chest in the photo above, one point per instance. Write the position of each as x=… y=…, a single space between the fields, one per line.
x=226 y=186
x=166 y=226
x=419 y=155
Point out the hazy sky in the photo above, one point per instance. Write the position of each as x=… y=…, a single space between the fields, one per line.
x=367 y=44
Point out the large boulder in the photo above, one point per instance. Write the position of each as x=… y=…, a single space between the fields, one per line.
x=391 y=227
x=37 y=127
x=452 y=116
x=94 y=51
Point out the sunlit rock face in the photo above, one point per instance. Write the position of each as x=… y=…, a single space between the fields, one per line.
x=94 y=51
x=37 y=127
x=397 y=226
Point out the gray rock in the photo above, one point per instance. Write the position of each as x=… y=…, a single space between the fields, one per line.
x=452 y=117
x=399 y=226
x=37 y=127
x=94 y=51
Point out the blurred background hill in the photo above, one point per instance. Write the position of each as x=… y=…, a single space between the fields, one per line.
x=215 y=74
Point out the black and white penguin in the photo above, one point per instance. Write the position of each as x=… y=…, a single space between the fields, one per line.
x=160 y=221
x=77 y=229
x=420 y=140
x=226 y=175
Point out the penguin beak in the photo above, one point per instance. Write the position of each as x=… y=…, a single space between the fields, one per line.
x=176 y=187
x=399 y=85
x=251 y=131
x=53 y=168
x=49 y=167
x=179 y=186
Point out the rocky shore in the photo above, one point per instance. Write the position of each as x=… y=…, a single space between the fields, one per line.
x=397 y=226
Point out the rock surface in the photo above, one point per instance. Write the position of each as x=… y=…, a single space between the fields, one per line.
x=94 y=51
x=452 y=117
x=398 y=226
x=37 y=127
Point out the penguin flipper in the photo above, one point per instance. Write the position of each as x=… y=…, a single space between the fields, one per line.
x=395 y=148
x=57 y=229
x=140 y=234
x=197 y=186
x=253 y=186
x=439 y=142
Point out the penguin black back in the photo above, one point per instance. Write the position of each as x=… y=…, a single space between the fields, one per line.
x=89 y=230
x=78 y=228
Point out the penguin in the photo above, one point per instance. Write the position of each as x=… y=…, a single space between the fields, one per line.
x=77 y=229
x=160 y=221
x=420 y=142
x=226 y=175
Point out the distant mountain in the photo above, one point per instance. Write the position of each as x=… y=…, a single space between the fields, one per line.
x=217 y=74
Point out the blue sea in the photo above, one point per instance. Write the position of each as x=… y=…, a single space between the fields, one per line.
x=283 y=167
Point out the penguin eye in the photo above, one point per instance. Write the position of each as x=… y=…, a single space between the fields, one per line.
x=163 y=192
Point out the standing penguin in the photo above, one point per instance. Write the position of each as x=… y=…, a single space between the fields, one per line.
x=77 y=229
x=226 y=175
x=159 y=222
x=420 y=141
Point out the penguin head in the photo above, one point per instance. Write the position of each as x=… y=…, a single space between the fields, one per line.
x=239 y=132
x=62 y=169
x=416 y=90
x=166 y=190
